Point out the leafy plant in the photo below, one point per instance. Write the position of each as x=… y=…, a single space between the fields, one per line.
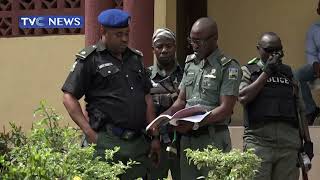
x=53 y=152
x=234 y=165
x=11 y=139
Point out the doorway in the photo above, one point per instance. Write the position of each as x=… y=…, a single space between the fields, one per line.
x=188 y=11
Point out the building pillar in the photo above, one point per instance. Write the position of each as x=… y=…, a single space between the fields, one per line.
x=141 y=26
x=92 y=27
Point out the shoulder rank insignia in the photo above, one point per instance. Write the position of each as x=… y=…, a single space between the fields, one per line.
x=84 y=53
x=226 y=60
x=254 y=61
x=150 y=68
x=136 y=52
x=190 y=58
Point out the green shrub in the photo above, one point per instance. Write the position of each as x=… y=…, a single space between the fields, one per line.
x=235 y=165
x=52 y=152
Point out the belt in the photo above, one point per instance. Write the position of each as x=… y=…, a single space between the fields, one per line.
x=122 y=133
x=260 y=124
x=205 y=130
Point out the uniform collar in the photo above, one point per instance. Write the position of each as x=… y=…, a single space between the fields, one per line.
x=156 y=70
x=260 y=63
x=101 y=46
x=214 y=57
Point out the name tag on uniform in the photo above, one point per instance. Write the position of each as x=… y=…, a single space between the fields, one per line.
x=210 y=76
x=104 y=65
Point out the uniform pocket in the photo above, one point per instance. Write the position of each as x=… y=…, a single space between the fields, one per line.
x=189 y=80
x=106 y=75
x=209 y=90
x=138 y=71
x=108 y=71
x=138 y=77
x=188 y=85
x=209 y=84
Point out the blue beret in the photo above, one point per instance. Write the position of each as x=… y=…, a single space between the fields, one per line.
x=114 y=18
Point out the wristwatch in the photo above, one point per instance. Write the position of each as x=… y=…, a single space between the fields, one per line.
x=195 y=126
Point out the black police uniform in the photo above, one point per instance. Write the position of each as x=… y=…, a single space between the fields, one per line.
x=115 y=93
x=114 y=90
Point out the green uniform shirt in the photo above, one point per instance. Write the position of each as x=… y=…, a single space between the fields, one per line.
x=208 y=79
x=273 y=134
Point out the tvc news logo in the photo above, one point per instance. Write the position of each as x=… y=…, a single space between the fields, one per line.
x=51 y=22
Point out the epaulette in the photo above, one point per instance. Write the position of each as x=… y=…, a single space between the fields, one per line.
x=149 y=71
x=254 y=61
x=225 y=60
x=136 y=52
x=84 y=53
x=190 y=57
x=150 y=68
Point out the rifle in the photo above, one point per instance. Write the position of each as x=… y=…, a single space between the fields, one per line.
x=161 y=88
x=303 y=159
x=305 y=164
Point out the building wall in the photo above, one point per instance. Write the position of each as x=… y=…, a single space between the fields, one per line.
x=242 y=22
x=165 y=14
x=32 y=69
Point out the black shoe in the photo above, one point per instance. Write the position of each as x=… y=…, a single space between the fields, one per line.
x=313 y=116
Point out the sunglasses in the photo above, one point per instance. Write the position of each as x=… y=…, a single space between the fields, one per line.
x=271 y=49
x=199 y=42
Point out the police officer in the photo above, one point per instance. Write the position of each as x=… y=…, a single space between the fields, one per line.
x=112 y=78
x=165 y=76
x=212 y=80
x=270 y=98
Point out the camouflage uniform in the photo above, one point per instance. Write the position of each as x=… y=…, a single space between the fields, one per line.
x=164 y=92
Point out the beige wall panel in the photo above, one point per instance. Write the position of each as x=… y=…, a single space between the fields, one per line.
x=160 y=9
x=31 y=69
x=171 y=14
x=241 y=23
x=165 y=14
